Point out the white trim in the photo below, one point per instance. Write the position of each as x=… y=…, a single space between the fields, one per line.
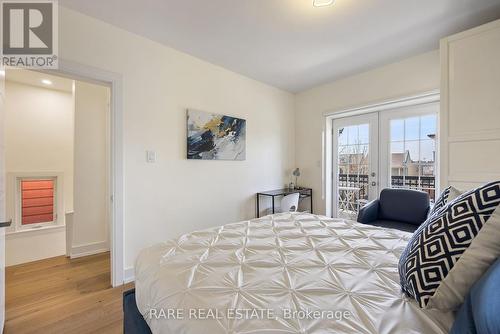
x=69 y=232
x=473 y=31
x=428 y=97
x=483 y=135
x=82 y=72
x=89 y=249
x=443 y=115
x=40 y=230
x=129 y=275
x=328 y=166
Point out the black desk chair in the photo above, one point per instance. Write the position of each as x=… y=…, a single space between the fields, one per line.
x=402 y=209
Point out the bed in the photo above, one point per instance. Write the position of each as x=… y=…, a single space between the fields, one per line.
x=284 y=273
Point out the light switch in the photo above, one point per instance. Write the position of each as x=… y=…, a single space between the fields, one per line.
x=151 y=157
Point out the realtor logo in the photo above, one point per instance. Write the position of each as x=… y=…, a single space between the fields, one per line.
x=29 y=33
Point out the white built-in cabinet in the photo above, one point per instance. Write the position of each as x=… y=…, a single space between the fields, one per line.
x=470 y=107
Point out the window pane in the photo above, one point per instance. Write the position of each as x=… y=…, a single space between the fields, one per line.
x=353 y=169
x=397 y=147
x=346 y=154
x=364 y=134
x=428 y=126
x=412 y=152
x=427 y=150
x=364 y=154
x=37 y=197
x=343 y=170
x=412 y=128
x=352 y=135
x=343 y=154
x=343 y=136
x=397 y=130
x=428 y=170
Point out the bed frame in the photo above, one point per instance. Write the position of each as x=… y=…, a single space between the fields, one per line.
x=133 y=321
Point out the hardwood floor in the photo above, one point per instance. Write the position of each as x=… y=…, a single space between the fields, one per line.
x=60 y=295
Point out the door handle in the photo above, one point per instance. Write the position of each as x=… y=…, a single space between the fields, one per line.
x=6 y=224
x=374 y=184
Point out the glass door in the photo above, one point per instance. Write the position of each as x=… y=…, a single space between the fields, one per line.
x=408 y=149
x=355 y=164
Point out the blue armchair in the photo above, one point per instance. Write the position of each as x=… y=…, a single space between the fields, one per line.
x=402 y=209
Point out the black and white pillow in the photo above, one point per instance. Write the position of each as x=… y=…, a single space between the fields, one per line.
x=463 y=236
x=448 y=195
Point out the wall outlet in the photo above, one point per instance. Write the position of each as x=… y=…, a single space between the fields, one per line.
x=151 y=157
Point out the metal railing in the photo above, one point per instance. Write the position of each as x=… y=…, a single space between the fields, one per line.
x=423 y=183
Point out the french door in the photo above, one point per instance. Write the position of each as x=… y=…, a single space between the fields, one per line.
x=409 y=147
x=355 y=163
x=394 y=148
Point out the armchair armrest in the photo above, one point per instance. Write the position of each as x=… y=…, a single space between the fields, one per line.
x=369 y=212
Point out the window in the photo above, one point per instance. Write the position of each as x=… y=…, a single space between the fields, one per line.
x=37 y=202
x=413 y=153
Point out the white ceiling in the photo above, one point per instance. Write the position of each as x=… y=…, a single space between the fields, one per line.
x=289 y=43
x=34 y=78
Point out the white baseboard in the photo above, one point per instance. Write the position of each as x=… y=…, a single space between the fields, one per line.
x=129 y=275
x=89 y=249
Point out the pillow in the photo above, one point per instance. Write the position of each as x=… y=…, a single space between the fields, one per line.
x=448 y=195
x=452 y=249
x=479 y=312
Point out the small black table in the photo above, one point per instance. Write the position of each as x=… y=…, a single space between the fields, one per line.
x=304 y=193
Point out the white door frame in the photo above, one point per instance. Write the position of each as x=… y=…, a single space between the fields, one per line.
x=3 y=216
x=385 y=118
x=372 y=120
x=327 y=149
x=86 y=73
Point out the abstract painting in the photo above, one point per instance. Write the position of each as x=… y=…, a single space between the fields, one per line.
x=215 y=137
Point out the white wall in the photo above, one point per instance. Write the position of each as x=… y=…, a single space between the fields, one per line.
x=90 y=219
x=409 y=77
x=38 y=138
x=175 y=195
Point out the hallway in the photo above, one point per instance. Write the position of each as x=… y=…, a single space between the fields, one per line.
x=60 y=295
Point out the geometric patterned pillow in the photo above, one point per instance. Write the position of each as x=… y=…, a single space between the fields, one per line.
x=448 y=195
x=452 y=249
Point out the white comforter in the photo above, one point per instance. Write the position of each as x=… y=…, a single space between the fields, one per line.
x=286 y=273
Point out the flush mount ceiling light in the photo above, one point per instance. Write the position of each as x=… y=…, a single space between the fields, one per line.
x=47 y=82
x=323 y=3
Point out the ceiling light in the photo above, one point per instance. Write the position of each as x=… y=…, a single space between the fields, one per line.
x=322 y=3
x=47 y=82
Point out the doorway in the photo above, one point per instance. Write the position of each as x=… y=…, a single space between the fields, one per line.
x=57 y=167
x=75 y=71
x=392 y=147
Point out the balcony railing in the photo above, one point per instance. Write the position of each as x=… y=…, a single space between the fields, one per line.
x=353 y=190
